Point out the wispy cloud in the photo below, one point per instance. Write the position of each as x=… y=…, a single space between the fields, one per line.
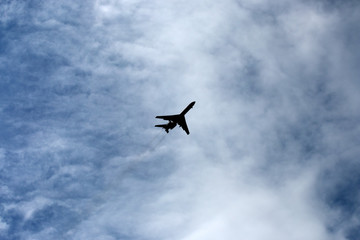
x=272 y=150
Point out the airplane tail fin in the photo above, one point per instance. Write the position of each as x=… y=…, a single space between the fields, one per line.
x=164 y=126
x=161 y=125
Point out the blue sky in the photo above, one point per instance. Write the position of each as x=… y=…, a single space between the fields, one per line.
x=273 y=150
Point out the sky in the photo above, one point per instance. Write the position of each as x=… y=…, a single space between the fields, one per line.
x=274 y=134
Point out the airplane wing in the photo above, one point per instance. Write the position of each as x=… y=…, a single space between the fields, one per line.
x=169 y=117
x=183 y=125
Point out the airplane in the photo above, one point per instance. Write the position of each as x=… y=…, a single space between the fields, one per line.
x=176 y=119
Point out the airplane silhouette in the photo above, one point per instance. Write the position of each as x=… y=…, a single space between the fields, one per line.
x=176 y=119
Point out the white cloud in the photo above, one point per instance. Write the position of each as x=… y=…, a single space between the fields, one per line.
x=188 y=55
x=259 y=130
x=3 y=225
x=29 y=207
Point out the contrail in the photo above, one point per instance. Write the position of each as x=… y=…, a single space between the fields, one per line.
x=121 y=167
x=153 y=142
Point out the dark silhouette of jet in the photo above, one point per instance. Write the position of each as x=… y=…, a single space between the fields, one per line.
x=176 y=119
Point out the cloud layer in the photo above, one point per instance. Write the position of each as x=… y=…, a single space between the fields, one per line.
x=272 y=152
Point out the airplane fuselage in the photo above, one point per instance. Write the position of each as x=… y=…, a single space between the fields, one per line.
x=176 y=119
